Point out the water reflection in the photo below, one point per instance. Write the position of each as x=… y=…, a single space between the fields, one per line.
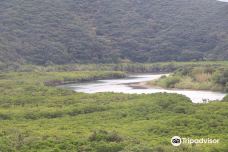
x=122 y=86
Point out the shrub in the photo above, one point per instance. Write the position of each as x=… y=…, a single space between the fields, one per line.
x=221 y=77
x=103 y=135
x=171 y=81
x=31 y=115
x=51 y=115
x=110 y=147
x=180 y=109
x=225 y=99
x=86 y=110
x=4 y=116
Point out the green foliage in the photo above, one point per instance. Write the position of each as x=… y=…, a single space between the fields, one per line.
x=222 y=79
x=225 y=99
x=161 y=67
x=107 y=31
x=4 y=116
x=169 y=82
x=201 y=77
x=36 y=117
x=112 y=147
x=103 y=135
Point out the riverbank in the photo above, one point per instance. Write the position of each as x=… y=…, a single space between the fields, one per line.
x=136 y=84
x=194 y=95
x=140 y=85
x=62 y=78
x=195 y=78
x=159 y=67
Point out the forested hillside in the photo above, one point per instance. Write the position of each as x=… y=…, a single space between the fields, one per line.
x=106 y=31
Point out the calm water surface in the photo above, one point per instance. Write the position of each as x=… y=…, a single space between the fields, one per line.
x=122 y=86
x=222 y=0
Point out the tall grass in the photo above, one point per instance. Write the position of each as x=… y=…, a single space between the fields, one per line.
x=199 y=78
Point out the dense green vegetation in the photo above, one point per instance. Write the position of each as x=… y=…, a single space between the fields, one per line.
x=37 y=117
x=201 y=77
x=225 y=99
x=108 y=31
x=159 y=67
x=48 y=43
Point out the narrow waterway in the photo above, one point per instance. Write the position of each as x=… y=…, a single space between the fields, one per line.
x=222 y=0
x=123 y=86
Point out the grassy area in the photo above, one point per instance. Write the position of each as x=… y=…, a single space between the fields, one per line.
x=201 y=77
x=38 y=117
x=129 y=67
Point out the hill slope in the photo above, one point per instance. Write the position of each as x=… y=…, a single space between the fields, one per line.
x=85 y=31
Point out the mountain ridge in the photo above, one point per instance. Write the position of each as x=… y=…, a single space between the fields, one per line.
x=105 y=31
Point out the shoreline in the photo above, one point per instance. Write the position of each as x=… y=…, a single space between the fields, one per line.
x=144 y=85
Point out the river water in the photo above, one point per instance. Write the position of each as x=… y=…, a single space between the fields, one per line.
x=122 y=86
x=223 y=0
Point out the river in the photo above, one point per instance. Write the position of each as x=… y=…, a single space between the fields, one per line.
x=223 y=0
x=123 y=86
